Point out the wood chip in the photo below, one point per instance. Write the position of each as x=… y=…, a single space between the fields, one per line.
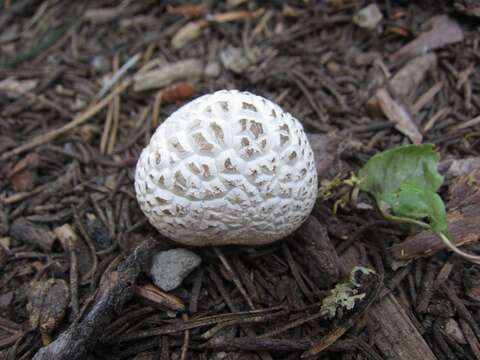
x=189 y=69
x=325 y=152
x=188 y=33
x=30 y=233
x=156 y=298
x=320 y=253
x=396 y=336
x=4 y=255
x=443 y=31
x=48 y=302
x=406 y=81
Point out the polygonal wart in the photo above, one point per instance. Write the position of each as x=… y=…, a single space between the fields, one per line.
x=227 y=168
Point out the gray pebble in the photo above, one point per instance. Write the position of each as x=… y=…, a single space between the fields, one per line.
x=233 y=59
x=169 y=268
x=213 y=69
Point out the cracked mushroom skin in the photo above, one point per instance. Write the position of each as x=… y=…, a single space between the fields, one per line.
x=227 y=168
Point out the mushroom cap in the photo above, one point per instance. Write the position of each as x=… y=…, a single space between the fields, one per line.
x=227 y=168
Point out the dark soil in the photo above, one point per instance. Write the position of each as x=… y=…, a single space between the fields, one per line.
x=69 y=220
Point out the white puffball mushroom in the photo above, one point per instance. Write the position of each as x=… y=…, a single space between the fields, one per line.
x=227 y=168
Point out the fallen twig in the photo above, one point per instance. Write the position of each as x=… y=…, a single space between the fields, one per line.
x=53 y=134
x=118 y=75
x=116 y=288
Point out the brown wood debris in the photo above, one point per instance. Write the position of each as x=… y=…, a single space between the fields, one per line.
x=463 y=226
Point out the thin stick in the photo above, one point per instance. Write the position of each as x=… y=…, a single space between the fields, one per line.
x=106 y=129
x=156 y=109
x=469 y=123
x=73 y=279
x=118 y=73
x=116 y=113
x=80 y=119
x=235 y=277
x=186 y=340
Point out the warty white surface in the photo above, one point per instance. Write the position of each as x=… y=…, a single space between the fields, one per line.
x=227 y=168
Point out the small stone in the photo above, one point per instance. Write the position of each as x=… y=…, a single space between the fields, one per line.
x=169 y=268
x=213 y=69
x=368 y=17
x=233 y=59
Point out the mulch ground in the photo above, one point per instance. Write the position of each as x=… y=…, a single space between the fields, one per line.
x=75 y=116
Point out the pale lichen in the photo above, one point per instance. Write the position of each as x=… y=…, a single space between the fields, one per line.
x=344 y=295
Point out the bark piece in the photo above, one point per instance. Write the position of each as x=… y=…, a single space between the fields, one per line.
x=3 y=220
x=405 y=82
x=471 y=338
x=410 y=76
x=472 y=284
x=181 y=70
x=70 y=240
x=30 y=233
x=23 y=175
x=98 y=233
x=322 y=259
x=4 y=254
x=443 y=31
x=324 y=152
x=48 y=302
x=396 y=336
x=23 y=181
x=465 y=190
x=158 y=299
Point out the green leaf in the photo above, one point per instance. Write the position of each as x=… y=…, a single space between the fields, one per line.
x=420 y=204
x=404 y=181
